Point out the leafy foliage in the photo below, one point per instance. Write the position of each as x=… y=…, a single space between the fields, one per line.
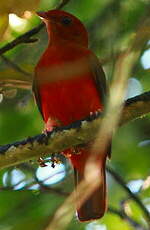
x=17 y=7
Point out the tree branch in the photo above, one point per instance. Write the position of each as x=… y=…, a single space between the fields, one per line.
x=26 y=37
x=58 y=191
x=134 y=197
x=15 y=66
x=65 y=137
x=17 y=84
x=136 y=107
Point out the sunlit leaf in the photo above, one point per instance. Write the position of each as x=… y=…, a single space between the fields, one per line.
x=17 y=7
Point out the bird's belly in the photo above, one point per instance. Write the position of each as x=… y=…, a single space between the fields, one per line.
x=66 y=101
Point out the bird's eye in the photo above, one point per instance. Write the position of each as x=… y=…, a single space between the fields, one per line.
x=66 y=20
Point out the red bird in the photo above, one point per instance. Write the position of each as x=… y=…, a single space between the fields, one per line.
x=69 y=84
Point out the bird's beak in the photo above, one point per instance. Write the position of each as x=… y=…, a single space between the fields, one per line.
x=42 y=14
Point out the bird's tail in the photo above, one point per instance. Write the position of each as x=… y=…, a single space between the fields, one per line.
x=94 y=206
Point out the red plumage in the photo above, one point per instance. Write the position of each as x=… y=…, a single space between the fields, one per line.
x=69 y=83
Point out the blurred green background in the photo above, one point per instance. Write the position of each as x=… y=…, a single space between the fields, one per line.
x=30 y=195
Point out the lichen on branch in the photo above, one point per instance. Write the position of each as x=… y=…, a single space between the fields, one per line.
x=75 y=134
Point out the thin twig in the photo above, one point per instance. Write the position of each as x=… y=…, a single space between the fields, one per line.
x=42 y=186
x=21 y=39
x=15 y=66
x=9 y=188
x=59 y=191
x=25 y=38
x=121 y=181
x=125 y=217
x=62 y=4
x=20 y=84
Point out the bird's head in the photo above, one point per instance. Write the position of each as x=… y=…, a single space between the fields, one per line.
x=63 y=26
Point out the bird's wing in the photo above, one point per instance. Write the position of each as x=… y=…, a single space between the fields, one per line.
x=99 y=77
x=101 y=84
x=36 y=94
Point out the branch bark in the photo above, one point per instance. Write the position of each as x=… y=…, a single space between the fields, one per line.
x=65 y=137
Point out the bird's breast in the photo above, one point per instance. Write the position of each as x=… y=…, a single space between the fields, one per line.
x=69 y=100
x=66 y=85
